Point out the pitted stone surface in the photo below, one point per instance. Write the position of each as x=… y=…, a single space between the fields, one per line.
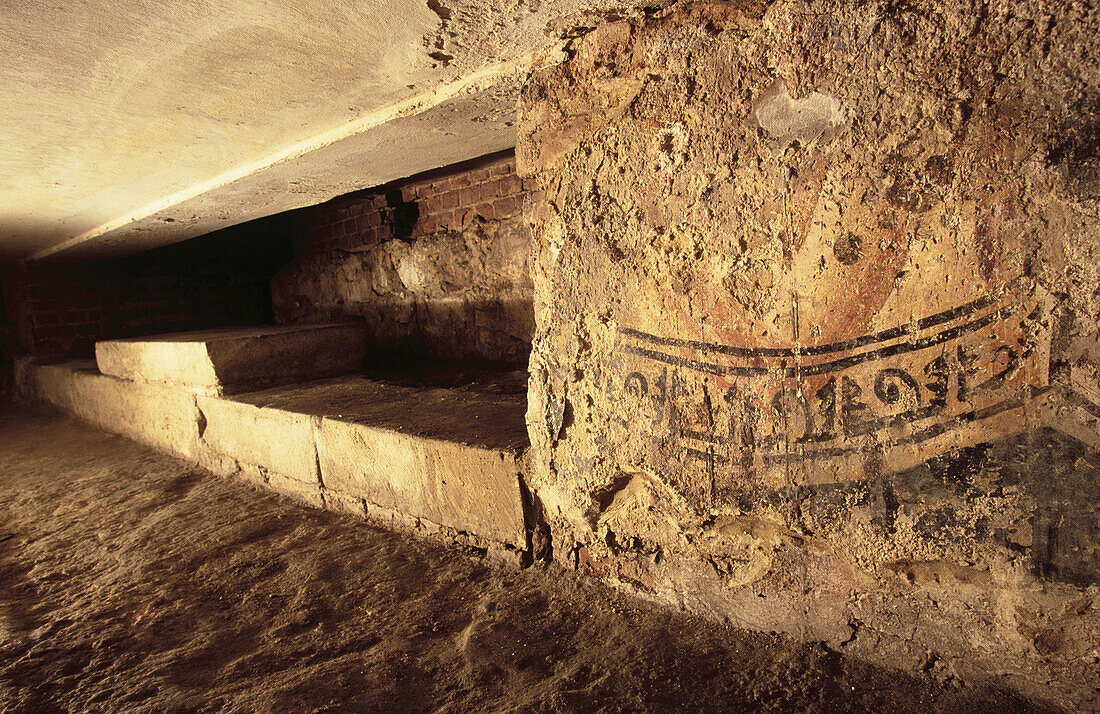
x=236 y=359
x=817 y=323
x=455 y=295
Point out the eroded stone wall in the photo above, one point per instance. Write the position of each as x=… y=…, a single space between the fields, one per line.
x=434 y=265
x=816 y=333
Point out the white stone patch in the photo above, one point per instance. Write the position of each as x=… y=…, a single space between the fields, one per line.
x=787 y=119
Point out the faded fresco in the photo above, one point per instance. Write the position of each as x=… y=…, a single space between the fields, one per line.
x=817 y=326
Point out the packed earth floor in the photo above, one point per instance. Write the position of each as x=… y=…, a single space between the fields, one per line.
x=133 y=582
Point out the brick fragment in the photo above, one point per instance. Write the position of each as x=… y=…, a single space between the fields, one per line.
x=468 y=196
x=510 y=185
x=508 y=206
x=489 y=190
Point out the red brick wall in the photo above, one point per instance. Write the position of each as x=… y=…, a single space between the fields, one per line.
x=449 y=198
x=216 y=280
x=223 y=278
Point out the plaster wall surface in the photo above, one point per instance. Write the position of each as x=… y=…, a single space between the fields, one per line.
x=816 y=325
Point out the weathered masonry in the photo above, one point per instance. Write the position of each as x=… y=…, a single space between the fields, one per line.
x=808 y=298
x=817 y=319
x=359 y=400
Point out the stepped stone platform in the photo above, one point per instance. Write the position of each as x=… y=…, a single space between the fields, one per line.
x=236 y=359
x=404 y=443
x=418 y=446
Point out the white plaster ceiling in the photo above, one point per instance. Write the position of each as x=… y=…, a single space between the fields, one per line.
x=127 y=124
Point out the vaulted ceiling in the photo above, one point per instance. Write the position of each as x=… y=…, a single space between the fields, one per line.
x=128 y=124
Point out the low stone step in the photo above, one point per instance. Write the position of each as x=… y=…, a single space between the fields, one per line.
x=157 y=415
x=430 y=447
x=411 y=445
x=236 y=359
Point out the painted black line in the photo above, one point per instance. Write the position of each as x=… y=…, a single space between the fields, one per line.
x=818 y=453
x=823 y=367
x=705 y=455
x=917 y=437
x=716 y=369
x=812 y=351
x=906 y=347
x=893 y=420
x=966 y=417
x=1080 y=400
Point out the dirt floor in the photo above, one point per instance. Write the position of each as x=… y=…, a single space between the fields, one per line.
x=132 y=582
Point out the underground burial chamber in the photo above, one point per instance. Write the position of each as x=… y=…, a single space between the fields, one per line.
x=813 y=344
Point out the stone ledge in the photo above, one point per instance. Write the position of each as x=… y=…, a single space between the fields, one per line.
x=466 y=488
x=280 y=441
x=422 y=449
x=414 y=442
x=163 y=417
x=236 y=359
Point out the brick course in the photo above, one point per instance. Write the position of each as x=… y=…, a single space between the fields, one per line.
x=216 y=280
x=444 y=199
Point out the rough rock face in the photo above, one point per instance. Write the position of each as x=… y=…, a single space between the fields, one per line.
x=816 y=333
x=457 y=295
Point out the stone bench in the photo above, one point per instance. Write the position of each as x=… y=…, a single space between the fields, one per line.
x=435 y=449
x=448 y=456
x=236 y=359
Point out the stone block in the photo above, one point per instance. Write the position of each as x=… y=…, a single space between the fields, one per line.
x=164 y=418
x=159 y=416
x=309 y=494
x=343 y=503
x=50 y=383
x=411 y=444
x=280 y=441
x=463 y=487
x=236 y=359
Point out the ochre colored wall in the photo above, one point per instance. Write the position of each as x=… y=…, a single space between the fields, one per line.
x=816 y=323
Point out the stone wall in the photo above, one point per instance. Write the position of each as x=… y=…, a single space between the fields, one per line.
x=435 y=265
x=816 y=336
